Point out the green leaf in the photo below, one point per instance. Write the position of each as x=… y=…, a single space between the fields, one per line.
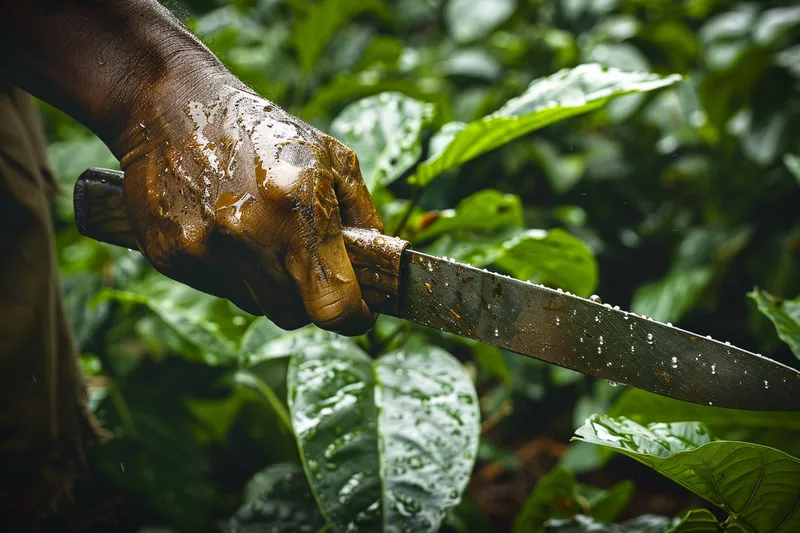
x=385 y=132
x=278 y=500
x=585 y=524
x=547 y=100
x=558 y=495
x=469 y=20
x=209 y=327
x=554 y=258
x=758 y=486
x=384 y=442
x=316 y=26
x=697 y=521
x=792 y=162
x=671 y=297
x=552 y=497
x=484 y=211
x=607 y=505
x=771 y=428
x=784 y=314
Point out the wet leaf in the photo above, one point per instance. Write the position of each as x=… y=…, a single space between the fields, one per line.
x=547 y=100
x=697 y=521
x=777 y=429
x=385 y=132
x=469 y=20
x=278 y=500
x=387 y=444
x=209 y=327
x=758 y=486
x=784 y=314
x=585 y=524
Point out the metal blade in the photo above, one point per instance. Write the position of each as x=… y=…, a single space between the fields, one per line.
x=595 y=339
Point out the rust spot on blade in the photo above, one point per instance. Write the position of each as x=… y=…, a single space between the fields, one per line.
x=456 y=315
x=468 y=279
x=428 y=286
x=663 y=375
x=497 y=290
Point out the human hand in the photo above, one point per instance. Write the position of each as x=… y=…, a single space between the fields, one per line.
x=233 y=196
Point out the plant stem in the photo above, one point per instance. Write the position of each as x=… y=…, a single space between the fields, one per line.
x=412 y=203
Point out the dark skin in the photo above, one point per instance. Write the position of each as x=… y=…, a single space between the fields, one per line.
x=225 y=191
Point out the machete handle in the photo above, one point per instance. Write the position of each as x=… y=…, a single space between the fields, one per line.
x=100 y=214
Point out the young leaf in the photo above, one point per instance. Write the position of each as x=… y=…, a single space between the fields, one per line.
x=585 y=524
x=553 y=257
x=278 y=500
x=553 y=496
x=484 y=211
x=697 y=521
x=758 y=486
x=771 y=428
x=384 y=131
x=384 y=442
x=547 y=100
x=785 y=314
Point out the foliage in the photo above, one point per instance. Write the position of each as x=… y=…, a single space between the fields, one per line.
x=641 y=149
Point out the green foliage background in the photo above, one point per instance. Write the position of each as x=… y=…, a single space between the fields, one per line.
x=674 y=203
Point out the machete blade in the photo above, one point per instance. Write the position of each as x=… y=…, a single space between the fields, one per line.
x=589 y=337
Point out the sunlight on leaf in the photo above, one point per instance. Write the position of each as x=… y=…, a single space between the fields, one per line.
x=547 y=100
x=758 y=486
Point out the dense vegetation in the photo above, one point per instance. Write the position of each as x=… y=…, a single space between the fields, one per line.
x=672 y=196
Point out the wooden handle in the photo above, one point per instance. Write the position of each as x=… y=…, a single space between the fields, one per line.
x=100 y=214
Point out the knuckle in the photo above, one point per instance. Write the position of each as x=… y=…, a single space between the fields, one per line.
x=332 y=307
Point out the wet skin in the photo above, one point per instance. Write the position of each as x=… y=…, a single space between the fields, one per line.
x=225 y=191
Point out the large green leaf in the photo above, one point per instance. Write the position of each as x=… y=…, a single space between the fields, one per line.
x=785 y=314
x=384 y=131
x=547 y=100
x=758 y=486
x=771 y=428
x=553 y=257
x=387 y=444
x=278 y=500
x=318 y=22
x=209 y=327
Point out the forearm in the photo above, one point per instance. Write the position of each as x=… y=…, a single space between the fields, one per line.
x=101 y=61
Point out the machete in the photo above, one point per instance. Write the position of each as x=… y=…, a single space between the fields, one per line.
x=533 y=320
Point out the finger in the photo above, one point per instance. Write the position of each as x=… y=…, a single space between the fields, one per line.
x=355 y=202
x=317 y=261
x=273 y=290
